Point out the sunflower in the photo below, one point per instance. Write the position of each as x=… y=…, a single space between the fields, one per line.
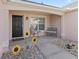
x=16 y=49
x=34 y=40
x=27 y=34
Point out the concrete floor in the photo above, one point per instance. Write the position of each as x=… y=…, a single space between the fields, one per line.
x=50 y=50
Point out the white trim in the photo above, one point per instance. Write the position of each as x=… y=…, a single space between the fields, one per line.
x=71 y=9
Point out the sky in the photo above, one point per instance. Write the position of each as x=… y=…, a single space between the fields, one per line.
x=57 y=3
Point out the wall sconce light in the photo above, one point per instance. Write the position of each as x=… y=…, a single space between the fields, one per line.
x=26 y=18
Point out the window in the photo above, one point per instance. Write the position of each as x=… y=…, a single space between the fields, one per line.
x=41 y=26
x=39 y=22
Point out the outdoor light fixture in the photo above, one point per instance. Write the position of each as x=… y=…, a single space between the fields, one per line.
x=26 y=18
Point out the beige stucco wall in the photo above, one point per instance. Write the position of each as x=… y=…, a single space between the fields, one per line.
x=55 y=21
x=70 y=25
x=4 y=30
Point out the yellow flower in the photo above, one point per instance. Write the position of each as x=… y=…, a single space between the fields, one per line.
x=16 y=49
x=34 y=40
x=27 y=34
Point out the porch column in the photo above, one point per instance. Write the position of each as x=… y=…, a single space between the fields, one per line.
x=4 y=30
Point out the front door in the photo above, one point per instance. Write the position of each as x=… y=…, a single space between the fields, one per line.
x=17 y=22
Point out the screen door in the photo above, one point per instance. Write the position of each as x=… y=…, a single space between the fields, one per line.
x=17 y=29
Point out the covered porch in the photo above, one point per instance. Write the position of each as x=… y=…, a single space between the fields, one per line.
x=50 y=46
x=46 y=24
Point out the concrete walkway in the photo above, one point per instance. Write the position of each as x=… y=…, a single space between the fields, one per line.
x=52 y=51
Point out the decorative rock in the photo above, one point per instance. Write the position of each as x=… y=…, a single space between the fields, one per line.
x=30 y=53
